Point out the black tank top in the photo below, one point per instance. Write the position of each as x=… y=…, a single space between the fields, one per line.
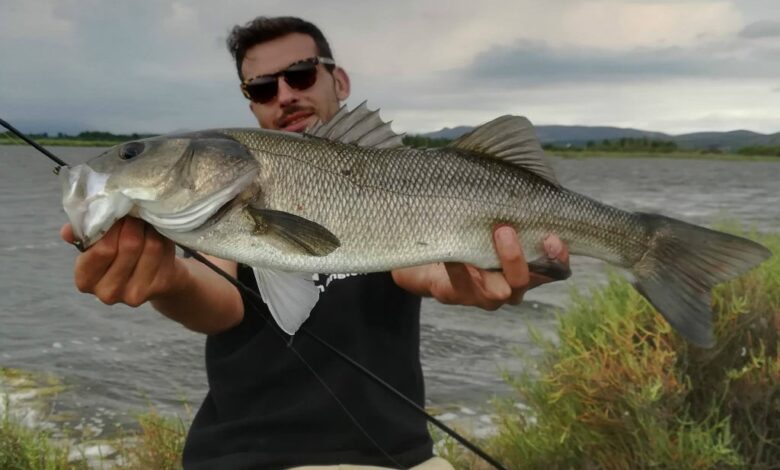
x=265 y=409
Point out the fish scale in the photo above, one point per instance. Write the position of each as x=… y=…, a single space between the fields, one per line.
x=321 y=202
x=443 y=198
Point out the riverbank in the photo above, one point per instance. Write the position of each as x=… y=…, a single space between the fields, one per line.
x=616 y=387
x=677 y=155
x=620 y=389
x=53 y=142
x=33 y=435
x=681 y=154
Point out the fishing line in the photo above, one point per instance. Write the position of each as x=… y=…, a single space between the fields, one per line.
x=19 y=134
x=254 y=299
x=376 y=379
x=254 y=296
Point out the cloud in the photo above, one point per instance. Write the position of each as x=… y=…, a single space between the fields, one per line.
x=761 y=29
x=537 y=63
x=161 y=65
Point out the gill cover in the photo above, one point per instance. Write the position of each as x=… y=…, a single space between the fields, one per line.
x=175 y=182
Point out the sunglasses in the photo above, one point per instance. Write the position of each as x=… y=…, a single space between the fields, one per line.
x=300 y=75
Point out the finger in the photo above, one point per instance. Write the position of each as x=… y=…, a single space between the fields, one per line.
x=510 y=253
x=461 y=283
x=129 y=247
x=66 y=233
x=555 y=248
x=495 y=290
x=92 y=265
x=144 y=279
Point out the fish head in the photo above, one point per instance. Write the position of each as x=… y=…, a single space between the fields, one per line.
x=176 y=183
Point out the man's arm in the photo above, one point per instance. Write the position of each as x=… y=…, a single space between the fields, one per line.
x=462 y=284
x=134 y=264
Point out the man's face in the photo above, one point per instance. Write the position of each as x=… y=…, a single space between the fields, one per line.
x=294 y=110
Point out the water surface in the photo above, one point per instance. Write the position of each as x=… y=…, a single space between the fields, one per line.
x=118 y=360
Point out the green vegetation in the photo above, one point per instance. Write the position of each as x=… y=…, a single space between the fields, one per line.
x=618 y=389
x=643 y=145
x=83 y=139
x=156 y=444
x=25 y=449
x=680 y=155
x=773 y=151
x=620 y=148
x=627 y=148
x=621 y=390
x=419 y=141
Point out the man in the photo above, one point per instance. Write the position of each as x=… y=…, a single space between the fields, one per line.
x=265 y=409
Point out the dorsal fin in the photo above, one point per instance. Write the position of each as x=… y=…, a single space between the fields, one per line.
x=511 y=139
x=359 y=126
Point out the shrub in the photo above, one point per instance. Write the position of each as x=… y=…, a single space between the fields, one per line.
x=620 y=389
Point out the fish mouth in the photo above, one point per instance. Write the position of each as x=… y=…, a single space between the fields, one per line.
x=92 y=210
x=89 y=207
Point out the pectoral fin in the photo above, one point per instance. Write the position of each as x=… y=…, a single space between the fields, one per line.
x=301 y=234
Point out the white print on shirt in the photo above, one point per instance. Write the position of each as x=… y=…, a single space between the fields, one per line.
x=322 y=281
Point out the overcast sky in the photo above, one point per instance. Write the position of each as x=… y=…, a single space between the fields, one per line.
x=161 y=65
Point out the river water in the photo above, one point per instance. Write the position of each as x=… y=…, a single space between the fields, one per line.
x=116 y=361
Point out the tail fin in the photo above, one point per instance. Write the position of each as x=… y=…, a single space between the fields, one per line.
x=682 y=265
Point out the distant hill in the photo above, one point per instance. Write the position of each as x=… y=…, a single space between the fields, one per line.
x=579 y=135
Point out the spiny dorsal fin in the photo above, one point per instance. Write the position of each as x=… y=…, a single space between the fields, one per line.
x=511 y=139
x=359 y=126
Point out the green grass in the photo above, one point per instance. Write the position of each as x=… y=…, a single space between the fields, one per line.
x=156 y=443
x=153 y=442
x=621 y=390
x=55 y=142
x=681 y=155
x=417 y=141
x=26 y=449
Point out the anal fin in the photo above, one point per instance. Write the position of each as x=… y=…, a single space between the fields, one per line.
x=290 y=297
x=550 y=267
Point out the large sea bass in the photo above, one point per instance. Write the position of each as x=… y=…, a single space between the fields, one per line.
x=347 y=197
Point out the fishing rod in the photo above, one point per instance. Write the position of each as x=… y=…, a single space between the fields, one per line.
x=256 y=297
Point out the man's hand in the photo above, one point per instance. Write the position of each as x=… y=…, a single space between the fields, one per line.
x=133 y=264
x=462 y=284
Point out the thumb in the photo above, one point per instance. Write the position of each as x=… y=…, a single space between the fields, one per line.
x=66 y=233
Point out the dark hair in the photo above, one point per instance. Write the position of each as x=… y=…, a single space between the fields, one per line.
x=263 y=29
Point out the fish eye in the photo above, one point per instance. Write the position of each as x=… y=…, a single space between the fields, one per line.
x=131 y=150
